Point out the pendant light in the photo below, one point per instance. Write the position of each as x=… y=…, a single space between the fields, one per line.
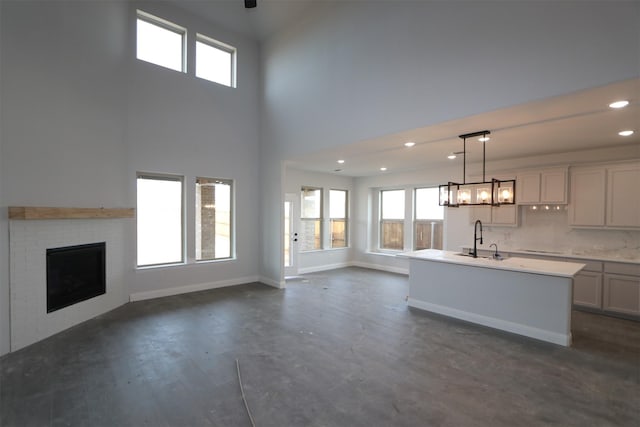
x=490 y=193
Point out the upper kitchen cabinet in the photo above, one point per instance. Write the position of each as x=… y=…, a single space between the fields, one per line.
x=623 y=196
x=605 y=196
x=542 y=186
x=503 y=216
x=587 y=204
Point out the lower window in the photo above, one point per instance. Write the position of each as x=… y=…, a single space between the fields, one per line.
x=213 y=219
x=159 y=219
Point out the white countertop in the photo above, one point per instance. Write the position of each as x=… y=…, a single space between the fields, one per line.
x=523 y=265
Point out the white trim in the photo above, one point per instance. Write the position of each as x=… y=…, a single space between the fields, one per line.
x=177 y=290
x=492 y=322
x=398 y=270
x=324 y=267
x=387 y=253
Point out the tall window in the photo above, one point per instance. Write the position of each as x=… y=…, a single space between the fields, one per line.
x=215 y=61
x=159 y=219
x=311 y=219
x=392 y=219
x=213 y=219
x=428 y=223
x=160 y=42
x=338 y=218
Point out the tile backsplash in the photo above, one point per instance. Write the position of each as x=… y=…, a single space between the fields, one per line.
x=550 y=231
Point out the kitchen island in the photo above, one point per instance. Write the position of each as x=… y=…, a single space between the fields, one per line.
x=529 y=297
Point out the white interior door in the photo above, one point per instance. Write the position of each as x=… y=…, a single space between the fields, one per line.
x=291 y=225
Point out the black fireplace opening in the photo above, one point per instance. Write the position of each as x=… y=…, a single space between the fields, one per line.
x=74 y=274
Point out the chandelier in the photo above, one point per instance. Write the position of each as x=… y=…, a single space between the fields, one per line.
x=494 y=192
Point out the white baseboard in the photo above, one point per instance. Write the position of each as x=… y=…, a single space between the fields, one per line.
x=492 y=322
x=325 y=267
x=144 y=295
x=271 y=282
x=390 y=269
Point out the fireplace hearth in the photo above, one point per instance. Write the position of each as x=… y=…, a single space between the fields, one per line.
x=75 y=274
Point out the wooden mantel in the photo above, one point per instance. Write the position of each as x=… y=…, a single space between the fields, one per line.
x=31 y=212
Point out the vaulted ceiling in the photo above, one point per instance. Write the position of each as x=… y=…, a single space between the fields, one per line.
x=573 y=122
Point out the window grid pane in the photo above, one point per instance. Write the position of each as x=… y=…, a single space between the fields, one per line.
x=159 y=43
x=338 y=233
x=392 y=207
x=311 y=219
x=424 y=232
x=310 y=236
x=338 y=218
x=213 y=219
x=214 y=64
x=392 y=204
x=311 y=203
x=427 y=204
x=392 y=234
x=159 y=220
x=428 y=223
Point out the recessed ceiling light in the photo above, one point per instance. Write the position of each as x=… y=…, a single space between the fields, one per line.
x=484 y=139
x=409 y=144
x=451 y=156
x=619 y=104
x=383 y=169
x=341 y=161
x=625 y=133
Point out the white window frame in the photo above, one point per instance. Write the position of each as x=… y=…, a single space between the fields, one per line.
x=165 y=177
x=319 y=219
x=169 y=26
x=232 y=230
x=216 y=44
x=423 y=221
x=345 y=219
x=381 y=221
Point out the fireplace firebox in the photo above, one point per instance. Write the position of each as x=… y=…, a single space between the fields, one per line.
x=75 y=274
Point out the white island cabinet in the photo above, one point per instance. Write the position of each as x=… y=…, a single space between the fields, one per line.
x=529 y=297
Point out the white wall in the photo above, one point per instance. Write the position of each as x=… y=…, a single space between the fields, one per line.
x=326 y=258
x=63 y=86
x=63 y=104
x=180 y=124
x=80 y=115
x=350 y=71
x=5 y=315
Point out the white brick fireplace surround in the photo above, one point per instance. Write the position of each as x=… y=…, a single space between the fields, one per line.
x=28 y=244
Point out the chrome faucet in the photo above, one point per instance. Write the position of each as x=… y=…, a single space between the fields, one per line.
x=496 y=255
x=476 y=238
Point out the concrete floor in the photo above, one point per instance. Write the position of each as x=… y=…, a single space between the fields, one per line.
x=338 y=348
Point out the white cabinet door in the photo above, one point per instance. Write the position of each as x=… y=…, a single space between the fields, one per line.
x=587 y=199
x=587 y=289
x=553 y=186
x=623 y=196
x=621 y=293
x=483 y=213
x=504 y=215
x=528 y=188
